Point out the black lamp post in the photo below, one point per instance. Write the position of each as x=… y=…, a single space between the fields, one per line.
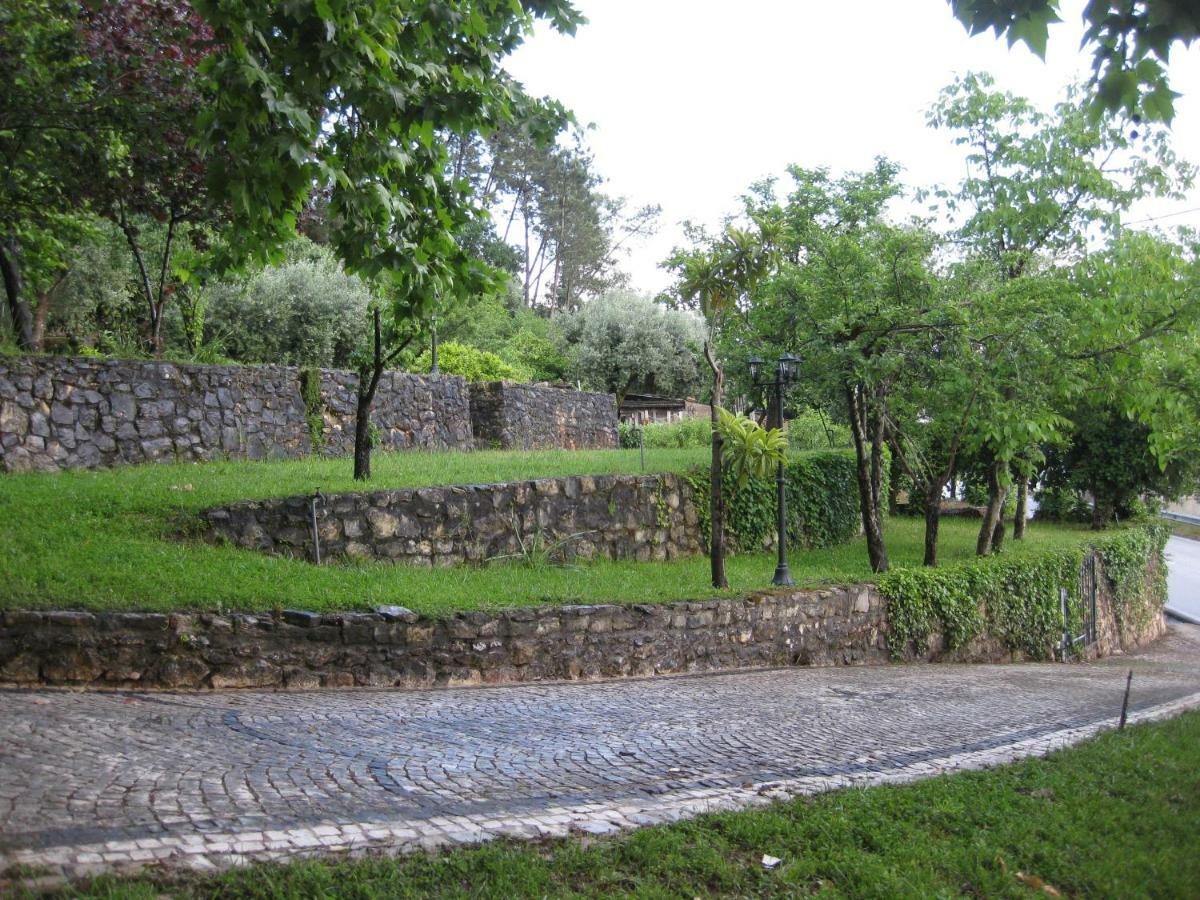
x=786 y=369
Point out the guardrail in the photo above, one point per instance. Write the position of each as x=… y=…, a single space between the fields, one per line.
x=1180 y=517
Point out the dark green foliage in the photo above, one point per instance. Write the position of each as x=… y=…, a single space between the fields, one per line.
x=1110 y=456
x=1017 y=599
x=822 y=503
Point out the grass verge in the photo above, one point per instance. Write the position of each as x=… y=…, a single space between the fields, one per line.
x=103 y=540
x=1115 y=817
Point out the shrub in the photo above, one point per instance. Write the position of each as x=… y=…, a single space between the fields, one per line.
x=1017 y=599
x=471 y=363
x=305 y=312
x=822 y=503
x=808 y=430
x=684 y=434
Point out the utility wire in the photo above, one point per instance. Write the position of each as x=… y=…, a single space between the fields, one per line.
x=1182 y=212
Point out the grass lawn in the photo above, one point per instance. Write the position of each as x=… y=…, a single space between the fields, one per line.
x=1116 y=817
x=102 y=540
x=1186 y=530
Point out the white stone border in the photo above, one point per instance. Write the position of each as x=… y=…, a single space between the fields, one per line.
x=212 y=852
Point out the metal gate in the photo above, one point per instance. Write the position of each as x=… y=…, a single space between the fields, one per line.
x=1079 y=635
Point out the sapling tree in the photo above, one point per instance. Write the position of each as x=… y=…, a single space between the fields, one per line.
x=717 y=277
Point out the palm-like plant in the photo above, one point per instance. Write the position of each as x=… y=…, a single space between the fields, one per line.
x=753 y=451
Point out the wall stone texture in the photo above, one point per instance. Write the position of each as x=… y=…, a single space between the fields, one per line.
x=395 y=647
x=644 y=517
x=528 y=417
x=68 y=413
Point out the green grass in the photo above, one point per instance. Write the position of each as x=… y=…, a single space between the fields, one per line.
x=1115 y=817
x=1186 y=530
x=104 y=540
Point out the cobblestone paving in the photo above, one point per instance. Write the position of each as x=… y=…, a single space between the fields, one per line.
x=93 y=781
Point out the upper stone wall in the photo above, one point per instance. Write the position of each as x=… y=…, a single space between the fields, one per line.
x=67 y=413
x=527 y=417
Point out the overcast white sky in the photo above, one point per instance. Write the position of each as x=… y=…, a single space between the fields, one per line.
x=693 y=100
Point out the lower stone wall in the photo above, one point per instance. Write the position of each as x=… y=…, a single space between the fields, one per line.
x=644 y=517
x=394 y=647
x=528 y=417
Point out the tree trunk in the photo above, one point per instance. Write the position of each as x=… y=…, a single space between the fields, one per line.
x=41 y=312
x=368 y=383
x=1102 y=510
x=362 y=436
x=1022 y=509
x=933 y=520
x=869 y=471
x=894 y=473
x=18 y=307
x=716 y=543
x=994 y=511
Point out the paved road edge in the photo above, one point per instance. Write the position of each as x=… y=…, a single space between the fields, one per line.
x=211 y=852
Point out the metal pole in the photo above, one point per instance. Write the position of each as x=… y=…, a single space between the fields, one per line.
x=316 y=532
x=783 y=575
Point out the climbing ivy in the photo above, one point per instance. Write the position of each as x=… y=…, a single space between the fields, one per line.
x=310 y=394
x=822 y=503
x=1018 y=600
x=1126 y=557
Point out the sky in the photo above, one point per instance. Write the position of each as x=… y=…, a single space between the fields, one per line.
x=691 y=101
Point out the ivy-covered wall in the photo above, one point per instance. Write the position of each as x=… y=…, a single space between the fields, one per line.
x=822 y=503
x=1015 y=603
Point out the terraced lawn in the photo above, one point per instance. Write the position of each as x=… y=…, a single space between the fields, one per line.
x=103 y=540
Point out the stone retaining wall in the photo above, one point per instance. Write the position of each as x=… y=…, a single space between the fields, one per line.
x=527 y=417
x=60 y=413
x=394 y=647
x=71 y=413
x=616 y=516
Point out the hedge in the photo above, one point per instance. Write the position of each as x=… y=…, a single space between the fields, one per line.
x=1016 y=599
x=822 y=503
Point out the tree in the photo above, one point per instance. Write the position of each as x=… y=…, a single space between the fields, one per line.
x=45 y=134
x=716 y=276
x=147 y=57
x=622 y=342
x=853 y=296
x=546 y=201
x=352 y=99
x=305 y=311
x=1131 y=43
x=1136 y=416
x=1039 y=185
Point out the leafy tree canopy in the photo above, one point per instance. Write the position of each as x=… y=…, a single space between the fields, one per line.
x=1130 y=40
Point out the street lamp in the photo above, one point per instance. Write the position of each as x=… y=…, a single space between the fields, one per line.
x=786 y=369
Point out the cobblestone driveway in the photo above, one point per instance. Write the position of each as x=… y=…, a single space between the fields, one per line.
x=94 y=781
